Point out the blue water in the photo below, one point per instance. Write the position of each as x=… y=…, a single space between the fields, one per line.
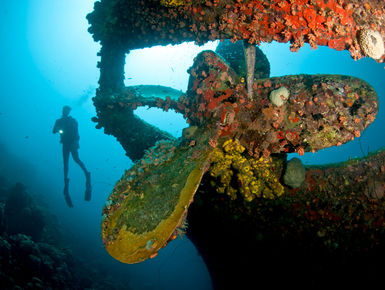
x=48 y=59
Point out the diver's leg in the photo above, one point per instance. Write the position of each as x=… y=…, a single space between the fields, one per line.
x=66 y=155
x=75 y=156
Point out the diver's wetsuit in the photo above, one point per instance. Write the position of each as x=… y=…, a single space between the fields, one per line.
x=69 y=137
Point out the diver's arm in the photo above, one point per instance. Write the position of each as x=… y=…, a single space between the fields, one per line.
x=77 y=130
x=55 y=128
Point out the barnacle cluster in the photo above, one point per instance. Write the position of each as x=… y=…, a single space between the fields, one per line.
x=236 y=172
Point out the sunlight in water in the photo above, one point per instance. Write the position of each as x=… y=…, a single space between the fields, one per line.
x=163 y=65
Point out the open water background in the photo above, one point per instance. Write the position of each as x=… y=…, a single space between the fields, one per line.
x=48 y=59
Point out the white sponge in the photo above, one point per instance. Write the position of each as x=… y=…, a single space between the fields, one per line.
x=371 y=43
x=279 y=96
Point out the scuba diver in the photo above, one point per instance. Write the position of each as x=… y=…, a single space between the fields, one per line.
x=69 y=137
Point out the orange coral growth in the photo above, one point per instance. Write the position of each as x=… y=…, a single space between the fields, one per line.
x=320 y=22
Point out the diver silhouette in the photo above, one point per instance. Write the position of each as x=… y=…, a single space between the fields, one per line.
x=69 y=137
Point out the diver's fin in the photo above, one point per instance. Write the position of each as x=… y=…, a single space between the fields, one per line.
x=87 y=195
x=66 y=193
